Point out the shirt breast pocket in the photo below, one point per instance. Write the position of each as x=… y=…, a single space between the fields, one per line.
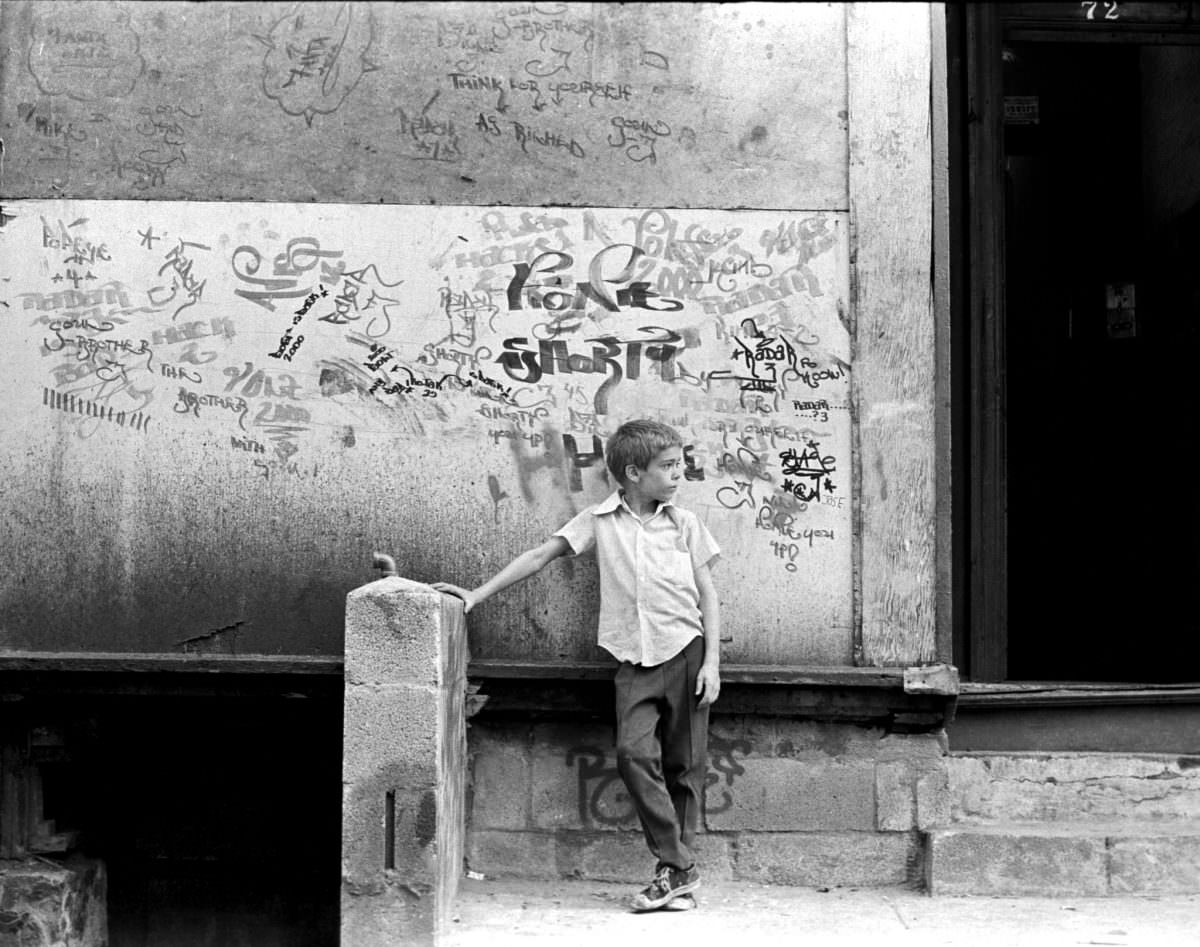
x=675 y=561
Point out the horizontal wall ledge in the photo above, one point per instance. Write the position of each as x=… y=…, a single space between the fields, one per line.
x=145 y=663
x=875 y=696
x=27 y=676
x=980 y=696
x=913 y=680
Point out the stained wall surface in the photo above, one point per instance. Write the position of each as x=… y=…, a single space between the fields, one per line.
x=246 y=399
x=287 y=284
x=453 y=103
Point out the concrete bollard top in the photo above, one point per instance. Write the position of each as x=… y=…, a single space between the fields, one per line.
x=399 y=631
x=395 y=583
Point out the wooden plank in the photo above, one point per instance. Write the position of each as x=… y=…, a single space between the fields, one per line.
x=730 y=673
x=988 y=657
x=592 y=104
x=1049 y=694
x=888 y=69
x=947 y=367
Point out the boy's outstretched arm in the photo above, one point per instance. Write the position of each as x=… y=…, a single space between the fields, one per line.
x=708 y=682
x=525 y=565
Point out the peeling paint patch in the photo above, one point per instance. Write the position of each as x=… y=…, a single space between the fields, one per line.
x=196 y=642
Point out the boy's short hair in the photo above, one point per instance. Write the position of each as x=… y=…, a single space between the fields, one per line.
x=637 y=443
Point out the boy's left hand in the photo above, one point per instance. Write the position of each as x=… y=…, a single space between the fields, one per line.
x=708 y=685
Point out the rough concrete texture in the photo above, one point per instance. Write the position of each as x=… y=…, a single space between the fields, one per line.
x=496 y=913
x=911 y=794
x=398 y=914
x=1169 y=863
x=49 y=904
x=828 y=858
x=796 y=798
x=404 y=763
x=1005 y=862
x=392 y=643
x=602 y=856
x=391 y=725
x=787 y=858
x=791 y=795
x=1072 y=786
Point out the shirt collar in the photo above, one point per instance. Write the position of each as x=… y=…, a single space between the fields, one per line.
x=616 y=500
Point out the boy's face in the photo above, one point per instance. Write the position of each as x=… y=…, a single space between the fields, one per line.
x=661 y=479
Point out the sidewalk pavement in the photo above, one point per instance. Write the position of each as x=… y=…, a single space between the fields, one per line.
x=499 y=913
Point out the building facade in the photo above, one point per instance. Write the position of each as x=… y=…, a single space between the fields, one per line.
x=286 y=285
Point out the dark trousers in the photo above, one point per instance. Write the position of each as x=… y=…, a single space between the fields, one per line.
x=662 y=750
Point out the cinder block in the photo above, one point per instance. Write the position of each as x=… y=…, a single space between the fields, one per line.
x=794 y=795
x=395 y=633
x=895 y=797
x=1010 y=861
x=1166 y=863
x=1060 y=787
x=758 y=735
x=501 y=787
x=912 y=746
x=403 y=763
x=512 y=854
x=624 y=856
x=575 y=780
x=817 y=859
x=823 y=740
x=933 y=798
x=400 y=914
x=604 y=856
x=391 y=724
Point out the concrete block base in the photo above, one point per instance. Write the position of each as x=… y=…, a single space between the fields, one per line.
x=811 y=859
x=1064 y=859
x=595 y=856
x=43 y=905
x=828 y=859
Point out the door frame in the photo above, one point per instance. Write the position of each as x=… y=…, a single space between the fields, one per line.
x=976 y=33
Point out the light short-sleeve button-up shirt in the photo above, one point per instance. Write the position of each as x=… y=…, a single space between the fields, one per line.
x=649 y=600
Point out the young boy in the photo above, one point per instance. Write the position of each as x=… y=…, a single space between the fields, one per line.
x=659 y=619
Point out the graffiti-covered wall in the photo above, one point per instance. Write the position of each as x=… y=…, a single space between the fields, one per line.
x=285 y=284
x=291 y=385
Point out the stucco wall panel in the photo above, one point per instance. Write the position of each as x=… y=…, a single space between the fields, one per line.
x=219 y=411
x=599 y=104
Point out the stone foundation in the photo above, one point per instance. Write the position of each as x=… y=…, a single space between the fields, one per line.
x=787 y=802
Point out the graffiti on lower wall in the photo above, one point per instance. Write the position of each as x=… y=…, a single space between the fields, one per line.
x=603 y=799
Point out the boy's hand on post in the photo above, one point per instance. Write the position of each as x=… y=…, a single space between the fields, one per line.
x=708 y=685
x=468 y=597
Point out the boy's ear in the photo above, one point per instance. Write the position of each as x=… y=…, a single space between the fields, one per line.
x=632 y=472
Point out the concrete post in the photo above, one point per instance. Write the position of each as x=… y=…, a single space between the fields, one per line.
x=404 y=763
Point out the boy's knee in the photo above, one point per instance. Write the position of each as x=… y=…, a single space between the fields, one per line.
x=632 y=756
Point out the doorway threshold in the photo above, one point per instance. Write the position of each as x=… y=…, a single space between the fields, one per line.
x=1070 y=716
x=1068 y=693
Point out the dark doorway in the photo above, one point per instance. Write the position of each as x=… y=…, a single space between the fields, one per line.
x=1086 y=379
x=214 y=806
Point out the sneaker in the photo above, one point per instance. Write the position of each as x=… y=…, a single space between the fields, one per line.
x=685 y=902
x=668 y=884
